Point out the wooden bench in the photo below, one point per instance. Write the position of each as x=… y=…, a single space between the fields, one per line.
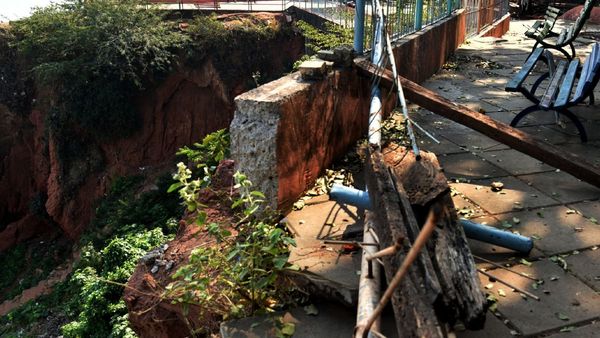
x=559 y=94
x=546 y=38
x=543 y=28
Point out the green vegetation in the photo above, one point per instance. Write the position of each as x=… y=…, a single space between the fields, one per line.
x=127 y=224
x=239 y=272
x=97 y=55
x=333 y=36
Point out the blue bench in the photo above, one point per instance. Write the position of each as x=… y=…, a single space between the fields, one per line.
x=558 y=95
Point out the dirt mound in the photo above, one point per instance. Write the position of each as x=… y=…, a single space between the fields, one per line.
x=573 y=13
x=150 y=315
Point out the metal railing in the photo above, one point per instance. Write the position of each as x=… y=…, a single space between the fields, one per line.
x=403 y=17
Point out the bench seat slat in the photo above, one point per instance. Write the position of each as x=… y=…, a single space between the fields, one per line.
x=567 y=85
x=516 y=82
x=550 y=93
x=587 y=72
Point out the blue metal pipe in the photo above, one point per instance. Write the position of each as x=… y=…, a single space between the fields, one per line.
x=349 y=195
x=473 y=230
x=498 y=237
x=359 y=27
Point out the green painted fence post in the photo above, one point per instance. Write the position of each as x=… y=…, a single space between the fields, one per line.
x=419 y=15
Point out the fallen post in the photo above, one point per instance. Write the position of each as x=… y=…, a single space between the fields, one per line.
x=441 y=286
x=501 y=132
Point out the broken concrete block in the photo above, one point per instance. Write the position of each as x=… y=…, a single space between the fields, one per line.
x=313 y=69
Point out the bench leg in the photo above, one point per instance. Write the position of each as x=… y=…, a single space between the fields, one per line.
x=591 y=98
x=535 y=86
x=572 y=51
x=578 y=125
x=522 y=114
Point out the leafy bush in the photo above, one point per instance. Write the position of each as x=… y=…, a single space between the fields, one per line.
x=334 y=35
x=239 y=272
x=102 y=313
x=98 y=54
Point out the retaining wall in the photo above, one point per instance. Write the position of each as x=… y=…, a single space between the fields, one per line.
x=286 y=132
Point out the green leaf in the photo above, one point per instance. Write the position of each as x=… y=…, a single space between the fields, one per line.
x=525 y=262
x=279 y=262
x=257 y=194
x=567 y=329
x=174 y=187
x=288 y=329
x=562 y=316
x=311 y=310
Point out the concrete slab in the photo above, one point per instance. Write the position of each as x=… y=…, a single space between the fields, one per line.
x=464 y=207
x=472 y=140
x=590 y=151
x=554 y=229
x=548 y=135
x=515 y=194
x=515 y=162
x=467 y=165
x=588 y=331
x=314 y=223
x=562 y=186
x=567 y=300
x=331 y=320
x=494 y=327
x=587 y=209
x=502 y=116
x=586 y=266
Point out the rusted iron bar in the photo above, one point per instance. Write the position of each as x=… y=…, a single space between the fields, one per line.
x=501 y=132
x=492 y=277
x=362 y=331
x=332 y=241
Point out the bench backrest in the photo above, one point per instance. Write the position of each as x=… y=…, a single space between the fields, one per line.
x=552 y=14
x=575 y=28
x=590 y=74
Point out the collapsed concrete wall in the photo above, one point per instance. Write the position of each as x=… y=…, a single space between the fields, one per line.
x=285 y=133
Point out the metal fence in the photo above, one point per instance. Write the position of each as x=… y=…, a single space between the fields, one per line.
x=402 y=16
x=482 y=13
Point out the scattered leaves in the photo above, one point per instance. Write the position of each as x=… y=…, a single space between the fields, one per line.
x=489 y=286
x=501 y=293
x=562 y=316
x=567 y=329
x=311 y=310
x=525 y=262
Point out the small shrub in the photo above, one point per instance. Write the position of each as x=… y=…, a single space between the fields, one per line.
x=333 y=36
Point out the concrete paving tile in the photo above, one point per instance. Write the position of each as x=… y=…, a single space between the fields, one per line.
x=562 y=186
x=314 y=223
x=503 y=116
x=482 y=107
x=587 y=112
x=515 y=162
x=444 y=147
x=509 y=101
x=591 y=330
x=494 y=327
x=567 y=298
x=467 y=165
x=514 y=190
x=472 y=140
x=554 y=229
x=586 y=266
x=548 y=135
x=587 y=209
x=590 y=151
x=464 y=207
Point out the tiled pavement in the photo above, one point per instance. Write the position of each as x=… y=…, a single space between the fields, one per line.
x=551 y=206
x=560 y=212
